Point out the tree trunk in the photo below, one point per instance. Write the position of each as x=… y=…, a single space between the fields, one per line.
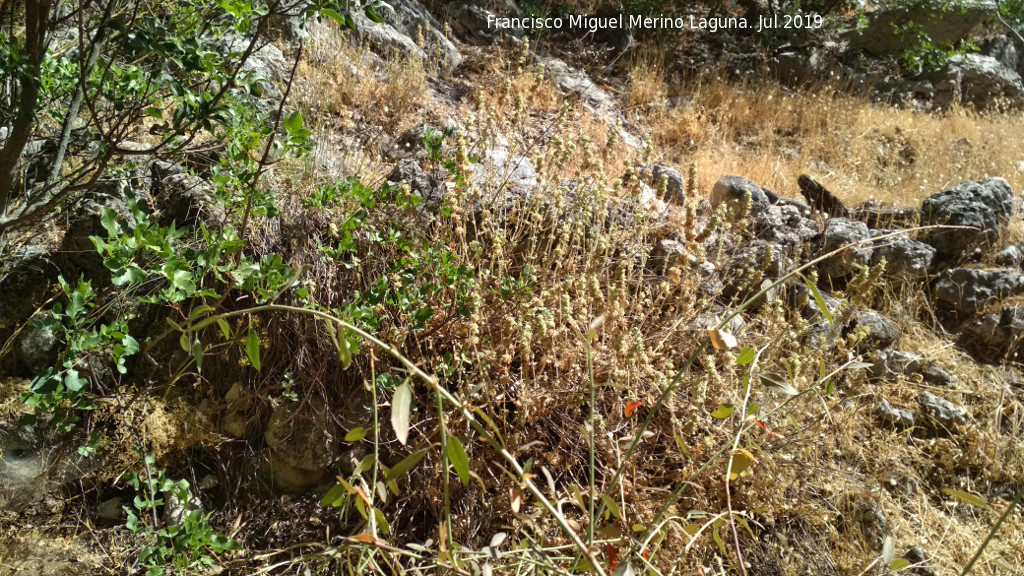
x=37 y=13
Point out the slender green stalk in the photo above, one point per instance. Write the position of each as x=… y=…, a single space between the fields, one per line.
x=995 y=530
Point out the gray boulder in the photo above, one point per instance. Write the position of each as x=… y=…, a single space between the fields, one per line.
x=994 y=337
x=840 y=233
x=470 y=23
x=894 y=363
x=1012 y=255
x=970 y=291
x=579 y=82
x=26 y=278
x=943 y=414
x=983 y=204
x=675 y=184
x=881 y=332
x=731 y=190
x=899 y=418
x=880 y=38
x=906 y=259
x=406 y=21
x=784 y=225
x=1005 y=48
x=980 y=80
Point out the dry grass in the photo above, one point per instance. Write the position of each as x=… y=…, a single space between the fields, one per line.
x=521 y=358
x=859 y=150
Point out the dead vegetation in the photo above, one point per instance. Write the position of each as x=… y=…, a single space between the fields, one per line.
x=566 y=320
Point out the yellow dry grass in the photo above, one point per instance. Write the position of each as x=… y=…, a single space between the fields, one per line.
x=857 y=149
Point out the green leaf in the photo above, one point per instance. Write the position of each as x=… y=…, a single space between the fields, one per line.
x=293 y=122
x=401 y=408
x=333 y=15
x=131 y=345
x=610 y=504
x=746 y=356
x=967 y=497
x=777 y=383
x=459 y=460
x=225 y=329
x=335 y=496
x=72 y=381
x=182 y=280
x=199 y=311
x=681 y=444
x=819 y=300
x=344 y=353
x=197 y=353
x=355 y=435
x=407 y=464
x=252 y=348
x=723 y=411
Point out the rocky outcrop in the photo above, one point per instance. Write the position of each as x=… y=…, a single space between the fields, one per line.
x=850 y=236
x=976 y=79
x=580 y=83
x=985 y=205
x=943 y=415
x=469 y=21
x=403 y=25
x=906 y=259
x=970 y=291
x=732 y=191
x=943 y=27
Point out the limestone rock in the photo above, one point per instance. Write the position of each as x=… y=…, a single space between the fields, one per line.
x=899 y=418
x=675 y=188
x=402 y=25
x=943 y=27
x=731 y=190
x=943 y=414
x=840 y=233
x=881 y=332
x=970 y=291
x=906 y=259
x=983 y=204
x=994 y=337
